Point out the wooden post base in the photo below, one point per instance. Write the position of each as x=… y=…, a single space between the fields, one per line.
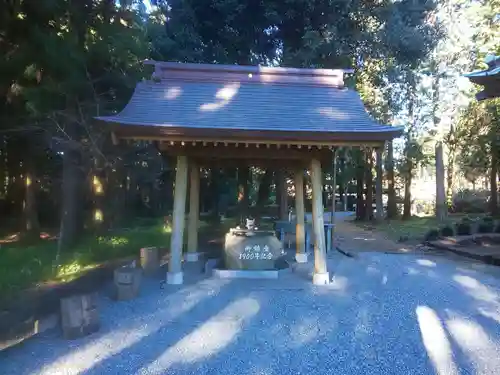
x=150 y=260
x=79 y=315
x=321 y=278
x=127 y=282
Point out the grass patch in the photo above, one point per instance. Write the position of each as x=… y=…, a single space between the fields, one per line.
x=23 y=265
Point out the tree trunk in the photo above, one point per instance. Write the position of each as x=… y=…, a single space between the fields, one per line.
x=3 y=167
x=441 y=206
x=32 y=225
x=264 y=188
x=342 y=183
x=369 y=185
x=392 y=208
x=493 y=176
x=407 y=197
x=360 y=202
x=243 y=191
x=70 y=218
x=215 y=185
x=281 y=194
x=117 y=184
x=450 y=176
x=98 y=191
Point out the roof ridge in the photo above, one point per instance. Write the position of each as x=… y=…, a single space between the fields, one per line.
x=202 y=72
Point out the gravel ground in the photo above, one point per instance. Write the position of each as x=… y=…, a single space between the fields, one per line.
x=383 y=314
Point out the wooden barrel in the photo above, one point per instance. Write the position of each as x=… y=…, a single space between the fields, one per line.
x=127 y=282
x=150 y=260
x=79 y=315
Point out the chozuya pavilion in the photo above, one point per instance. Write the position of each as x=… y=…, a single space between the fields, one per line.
x=284 y=117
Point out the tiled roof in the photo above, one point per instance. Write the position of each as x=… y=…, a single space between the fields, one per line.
x=489 y=78
x=232 y=104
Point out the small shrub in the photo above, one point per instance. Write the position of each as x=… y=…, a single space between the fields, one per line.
x=464 y=228
x=447 y=231
x=432 y=235
x=470 y=201
x=403 y=238
x=497 y=228
x=487 y=225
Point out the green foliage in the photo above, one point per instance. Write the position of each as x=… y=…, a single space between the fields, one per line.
x=487 y=225
x=22 y=266
x=447 y=231
x=432 y=235
x=464 y=228
x=469 y=201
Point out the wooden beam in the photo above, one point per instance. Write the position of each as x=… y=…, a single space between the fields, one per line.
x=325 y=143
x=264 y=163
x=250 y=152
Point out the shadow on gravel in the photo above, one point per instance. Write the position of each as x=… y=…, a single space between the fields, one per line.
x=381 y=319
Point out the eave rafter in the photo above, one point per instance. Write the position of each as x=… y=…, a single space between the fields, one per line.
x=187 y=144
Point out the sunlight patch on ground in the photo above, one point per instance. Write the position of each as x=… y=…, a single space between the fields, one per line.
x=209 y=339
x=364 y=239
x=426 y=262
x=119 y=339
x=476 y=289
x=113 y=241
x=490 y=313
x=476 y=343
x=71 y=269
x=435 y=341
x=304 y=332
x=339 y=283
x=384 y=280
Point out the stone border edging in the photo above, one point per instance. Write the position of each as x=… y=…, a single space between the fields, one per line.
x=488 y=259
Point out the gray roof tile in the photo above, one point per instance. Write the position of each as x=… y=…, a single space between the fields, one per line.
x=248 y=106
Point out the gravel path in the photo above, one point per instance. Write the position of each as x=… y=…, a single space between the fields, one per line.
x=383 y=314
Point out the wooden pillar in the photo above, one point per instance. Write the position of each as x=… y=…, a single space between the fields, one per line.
x=378 y=185
x=194 y=212
x=300 y=233
x=440 y=190
x=321 y=276
x=174 y=274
